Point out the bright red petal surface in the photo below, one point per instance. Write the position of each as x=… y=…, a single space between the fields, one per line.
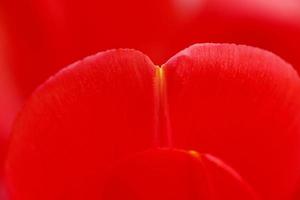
x=91 y=113
x=44 y=36
x=241 y=104
x=9 y=101
x=172 y=174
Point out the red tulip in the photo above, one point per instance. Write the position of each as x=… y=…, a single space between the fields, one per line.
x=43 y=36
x=238 y=103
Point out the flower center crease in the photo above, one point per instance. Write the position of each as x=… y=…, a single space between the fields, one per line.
x=163 y=133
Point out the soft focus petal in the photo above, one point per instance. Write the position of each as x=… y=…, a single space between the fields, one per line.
x=174 y=174
x=45 y=36
x=297 y=193
x=91 y=113
x=241 y=104
x=9 y=103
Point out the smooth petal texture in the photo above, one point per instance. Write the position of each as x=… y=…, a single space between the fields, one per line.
x=76 y=124
x=173 y=174
x=47 y=35
x=297 y=194
x=9 y=103
x=238 y=103
x=241 y=104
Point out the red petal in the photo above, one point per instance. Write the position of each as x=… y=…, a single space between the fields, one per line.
x=9 y=102
x=241 y=104
x=297 y=193
x=8 y=109
x=91 y=113
x=172 y=174
x=46 y=35
x=221 y=99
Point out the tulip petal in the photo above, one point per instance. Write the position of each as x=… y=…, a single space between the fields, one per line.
x=236 y=102
x=89 y=114
x=241 y=104
x=9 y=101
x=174 y=174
